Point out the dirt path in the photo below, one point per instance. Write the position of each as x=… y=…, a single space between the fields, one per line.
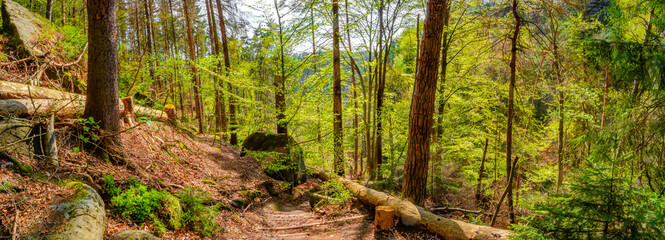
x=286 y=221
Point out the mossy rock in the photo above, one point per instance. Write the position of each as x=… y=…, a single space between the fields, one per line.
x=172 y=212
x=283 y=157
x=30 y=35
x=85 y=215
x=134 y=235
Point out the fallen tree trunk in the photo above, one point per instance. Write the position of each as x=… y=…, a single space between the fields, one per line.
x=18 y=99
x=412 y=215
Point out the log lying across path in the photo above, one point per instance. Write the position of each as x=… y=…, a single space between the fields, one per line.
x=412 y=215
x=23 y=100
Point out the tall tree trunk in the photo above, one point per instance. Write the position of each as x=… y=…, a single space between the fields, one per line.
x=337 y=95
x=62 y=11
x=102 y=94
x=49 y=9
x=422 y=105
x=227 y=64
x=355 y=97
x=280 y=82
x=151 y=42
x=511 y=110
x=444 y=71
x=380 y=89
x=192 y=57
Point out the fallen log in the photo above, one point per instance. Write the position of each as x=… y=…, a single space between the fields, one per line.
x=18 y=99
x=412 y=215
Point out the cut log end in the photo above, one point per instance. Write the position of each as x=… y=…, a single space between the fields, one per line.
x=169 y=109
x=127 y=113
x=384 y=218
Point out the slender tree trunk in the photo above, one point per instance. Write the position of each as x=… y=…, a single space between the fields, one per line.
x=480 y=173
x=192 y=56
x=337 y=95
x=422 y=105
x=151 y=41
x=444 y=71
x=280 y=82
x=355 y=97
x=227 y=64
x=49 y=9
x=62 y=11
x=219 y=95
x=511 y=111
x=380 y=89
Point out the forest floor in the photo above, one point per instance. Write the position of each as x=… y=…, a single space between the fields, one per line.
x=171 y=160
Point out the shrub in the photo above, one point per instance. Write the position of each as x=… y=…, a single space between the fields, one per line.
x=336 y=190
x=108 y=186
x=199 y=211
x=137 y=203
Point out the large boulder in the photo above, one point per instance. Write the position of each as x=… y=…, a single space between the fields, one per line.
x=282 y=156
x=85 y=215
x=29 y=34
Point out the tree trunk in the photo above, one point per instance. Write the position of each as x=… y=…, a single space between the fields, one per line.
x=280 y=104
x=480 y=173
x=337 y=95
x=280 y=81
x=233 y=140
x=422 y=105
x=49 y=10
x=192 y=57
x=355 y=97
x=102 y=94
x=151 y=41
x=511 y=110
x=444 y=70
x=219 y=94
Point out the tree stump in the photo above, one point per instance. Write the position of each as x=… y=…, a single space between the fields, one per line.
x=169 y=109
x=384 y=218
x=128 y=112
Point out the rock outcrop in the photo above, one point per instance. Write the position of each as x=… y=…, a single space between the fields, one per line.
x=29 y=34
x=284 y=159
x=85 y=215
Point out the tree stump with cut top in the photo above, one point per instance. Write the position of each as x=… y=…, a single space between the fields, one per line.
x=128 y=111
x=384 y=218
x=169 y=109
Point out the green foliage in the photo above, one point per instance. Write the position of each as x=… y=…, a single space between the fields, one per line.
x=6 y=187
x=138 y=203
x=73 y=43
x=601 y=204
x=108 y=186
x=199 y=211
x=337 y=191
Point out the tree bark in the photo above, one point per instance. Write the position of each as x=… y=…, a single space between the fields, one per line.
x=49 y=10
x=219 y=94
x=511 y=110
x=480 y=173
x=422 y=105
x=102 y=93
x=337 y=95
x=233 y=140
x=192 y=57
x=355 y=97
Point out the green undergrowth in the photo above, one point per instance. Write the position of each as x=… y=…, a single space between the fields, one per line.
x=199 y=211
x=191 y=207
x=140 y=205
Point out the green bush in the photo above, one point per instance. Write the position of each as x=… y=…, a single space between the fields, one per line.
x=137 y=203
x=336 y=190
x=199 y=211
x=108 y=186
x=601 y=204
x=140 y=205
